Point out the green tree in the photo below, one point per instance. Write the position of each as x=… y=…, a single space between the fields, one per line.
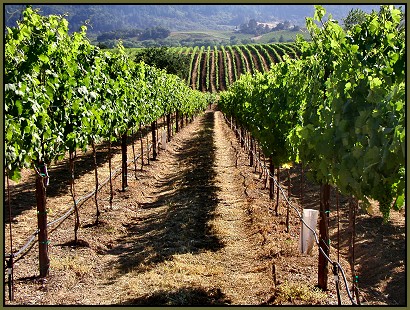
x=355 y=17
x=163 y=58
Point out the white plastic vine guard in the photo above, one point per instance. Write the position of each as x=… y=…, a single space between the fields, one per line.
x=163 y=144
x=307 y=239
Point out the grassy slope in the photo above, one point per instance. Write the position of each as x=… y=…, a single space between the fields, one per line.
x=287 y=35
x=224 y=37
x=215 y=37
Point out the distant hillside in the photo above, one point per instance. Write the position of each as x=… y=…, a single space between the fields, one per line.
x=104 y=18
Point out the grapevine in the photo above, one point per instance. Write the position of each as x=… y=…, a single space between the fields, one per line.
x=338 y=109
x=62 y=93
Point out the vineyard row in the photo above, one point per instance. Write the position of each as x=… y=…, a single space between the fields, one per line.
x=63 y=94
x=339 y=108
x=215 y=69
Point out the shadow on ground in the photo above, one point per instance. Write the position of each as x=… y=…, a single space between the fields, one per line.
x=185 y=296
x=178 y=221
x=23 y=196
x=380 y=250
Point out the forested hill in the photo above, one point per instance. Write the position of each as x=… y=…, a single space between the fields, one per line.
x=104 y=18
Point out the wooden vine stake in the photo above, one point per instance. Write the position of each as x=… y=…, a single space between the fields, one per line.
x=142 y=148
x=242 y=137
x=72 y=188
x=172 y=126
x=323 y=236
x=288 y=208
x=41 y=183
x=124 y=162
x=264 y=165
x=338 y=225
x=168 y=126
x=176 y=121
x=266 y=174
x=271 y=176
x=10 y=262
x=353 y=204
x=133 y=155
x=157 y=134
x=277 y=191
x=301 y=183
x=97 y=214
x=255 y=150
x=148 y=148
x=154 y=140
x=110 y=168
x=251 y=153
x=258 y=150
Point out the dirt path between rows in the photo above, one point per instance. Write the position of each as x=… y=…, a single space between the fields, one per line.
x=213 y=73
x=177 y=236
x=194 y=75
x=189 y=244
x=221 y=74
x=195 y=227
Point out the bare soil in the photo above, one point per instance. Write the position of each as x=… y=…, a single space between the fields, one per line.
x=212 y=73
x=229 y=64
x=202 y=75
x=194 y=75
x=221 y=68
x=258 y=65
x=194 y=227
x=240 y=67
x=246 y=67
